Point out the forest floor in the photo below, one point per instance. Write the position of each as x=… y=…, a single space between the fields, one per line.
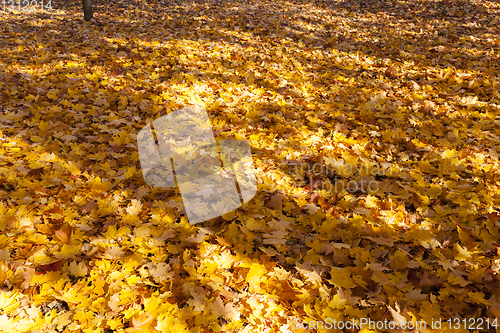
x=374 y=128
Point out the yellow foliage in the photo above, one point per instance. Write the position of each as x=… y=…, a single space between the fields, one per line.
x=374 y=132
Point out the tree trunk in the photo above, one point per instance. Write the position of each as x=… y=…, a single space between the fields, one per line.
x=87 y=10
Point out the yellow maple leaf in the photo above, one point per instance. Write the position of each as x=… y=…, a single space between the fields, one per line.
x=77 y=269
x=135 y=207
x=67 y=251
x=8 y=302
x=341 y=277
x=463 y=254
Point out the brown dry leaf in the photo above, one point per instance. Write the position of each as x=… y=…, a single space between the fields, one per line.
x=276 y=202
x=228 y=310
x=87 y=208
